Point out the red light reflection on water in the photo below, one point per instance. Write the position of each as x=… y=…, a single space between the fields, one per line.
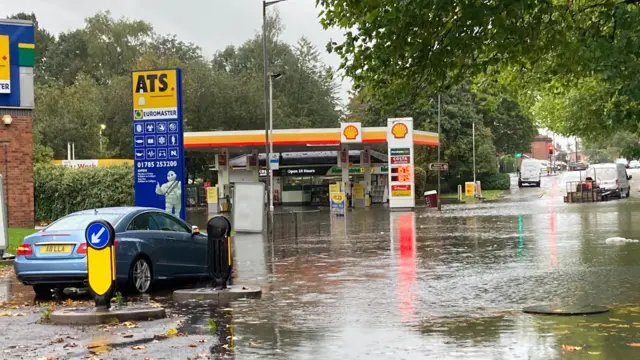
x=406 y=264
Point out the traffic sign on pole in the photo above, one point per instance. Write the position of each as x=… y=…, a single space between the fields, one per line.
x=439 y=166
x=101 y=266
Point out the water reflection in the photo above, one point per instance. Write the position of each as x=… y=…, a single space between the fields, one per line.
x=403 y=232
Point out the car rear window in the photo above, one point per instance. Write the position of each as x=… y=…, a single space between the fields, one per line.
x=81 y=221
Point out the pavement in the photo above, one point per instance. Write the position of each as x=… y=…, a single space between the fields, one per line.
x=381 y=285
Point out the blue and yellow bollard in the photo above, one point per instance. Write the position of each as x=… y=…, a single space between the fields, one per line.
x=101 y=265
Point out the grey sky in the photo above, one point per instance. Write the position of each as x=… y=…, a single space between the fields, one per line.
x=211 y=24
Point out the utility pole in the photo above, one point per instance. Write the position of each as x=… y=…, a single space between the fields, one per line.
x=438 y=172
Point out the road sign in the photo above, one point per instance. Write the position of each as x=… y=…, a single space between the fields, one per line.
x=101 y=265
x=159 y=160
x=274 y=161
x=439 y=166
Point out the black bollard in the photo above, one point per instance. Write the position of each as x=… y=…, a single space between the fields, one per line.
x=219 y=259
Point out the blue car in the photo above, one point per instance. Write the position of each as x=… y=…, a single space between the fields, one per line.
x=150 y=245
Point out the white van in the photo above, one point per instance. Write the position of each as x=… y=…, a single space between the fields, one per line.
x=610 y=177
x=530 y=172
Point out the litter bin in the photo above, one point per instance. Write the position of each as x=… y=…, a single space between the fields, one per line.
x=431 y=198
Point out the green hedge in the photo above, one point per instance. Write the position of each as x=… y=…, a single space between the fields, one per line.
x=421 y=181
x=499 y=181
x=61 y=190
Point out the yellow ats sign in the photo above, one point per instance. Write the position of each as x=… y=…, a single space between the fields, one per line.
x=155 y=94
x=5 y=68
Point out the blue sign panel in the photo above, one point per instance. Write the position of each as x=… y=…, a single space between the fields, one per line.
x=97 y=235
x=158 y=140
x=21 y=52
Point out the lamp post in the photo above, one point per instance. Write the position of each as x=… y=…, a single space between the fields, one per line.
x=473 y=137
x=265 y=5
x=102 y=127
x=272 y=76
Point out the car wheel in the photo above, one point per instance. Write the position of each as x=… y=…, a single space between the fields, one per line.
x=43 y=291
x=140 y=275
x=520 y=184
x=538 y=184
x=629 y=191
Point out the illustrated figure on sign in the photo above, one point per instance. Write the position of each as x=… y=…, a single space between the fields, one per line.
x=141 y=100
x=172 y=192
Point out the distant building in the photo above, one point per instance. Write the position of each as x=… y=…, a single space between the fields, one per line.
x=540 y=147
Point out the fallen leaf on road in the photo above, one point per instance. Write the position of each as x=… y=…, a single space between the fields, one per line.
x=193 y=345
x=634 y=344
x=594 y=353
x=202 y=340
x=571 y=348
x=154 y=304
x=202 y=356
x=59 y=340
x=139 y=347
x=46 y=358
x=171 y=332
x=128 y=335
x=614 y=319
x=129 y=324
x=68 y=345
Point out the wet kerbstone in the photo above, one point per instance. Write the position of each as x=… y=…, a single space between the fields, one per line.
x=567 y=310
x=218 y=296
x=93 y=316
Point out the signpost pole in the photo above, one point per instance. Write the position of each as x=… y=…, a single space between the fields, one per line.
x=438 y=198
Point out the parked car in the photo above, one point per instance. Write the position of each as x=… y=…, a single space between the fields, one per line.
x=634 y=164
x=150 y=245
x=530 y=172
x=610 y=177
x=577 y=166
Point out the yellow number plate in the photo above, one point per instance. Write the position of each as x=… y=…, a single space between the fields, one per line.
x=55 y=249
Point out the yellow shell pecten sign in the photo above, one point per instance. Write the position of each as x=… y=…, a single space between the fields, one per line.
x=399 y=130
x=337 y=197
x=155 y=94
x=350 y=132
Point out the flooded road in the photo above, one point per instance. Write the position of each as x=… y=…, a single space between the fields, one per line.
x=427 y=285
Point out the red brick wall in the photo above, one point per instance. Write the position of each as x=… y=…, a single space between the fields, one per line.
x=16 y=167
x=540 y=147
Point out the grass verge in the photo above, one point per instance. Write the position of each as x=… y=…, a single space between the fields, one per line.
x=486 y=195
x=16 y=235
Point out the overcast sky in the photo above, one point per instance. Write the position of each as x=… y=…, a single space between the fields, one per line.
x=211 y=24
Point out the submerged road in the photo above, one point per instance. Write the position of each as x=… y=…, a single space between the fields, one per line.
x=418 y=285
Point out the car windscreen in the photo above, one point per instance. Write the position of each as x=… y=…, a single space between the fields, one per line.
x=602 y=174
x=81 y=221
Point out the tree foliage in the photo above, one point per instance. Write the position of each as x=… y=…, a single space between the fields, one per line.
x=83 y=81
x=573 y=62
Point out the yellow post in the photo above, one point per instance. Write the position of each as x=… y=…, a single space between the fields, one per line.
x=101 y=265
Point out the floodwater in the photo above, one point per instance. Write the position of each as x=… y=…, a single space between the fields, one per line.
x=425 y=284
x=417 y=285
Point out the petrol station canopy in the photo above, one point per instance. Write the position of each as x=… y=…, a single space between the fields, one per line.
x=291 y=140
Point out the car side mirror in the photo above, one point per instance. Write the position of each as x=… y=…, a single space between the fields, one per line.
x=195 y=230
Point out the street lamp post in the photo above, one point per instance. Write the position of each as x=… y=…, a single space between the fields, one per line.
x=272 y=77
x=473 y=137
x=265 y=5
x=102 y=127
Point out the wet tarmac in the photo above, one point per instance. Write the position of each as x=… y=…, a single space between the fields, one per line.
x=406 y=285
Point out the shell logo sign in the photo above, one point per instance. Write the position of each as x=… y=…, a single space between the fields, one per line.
x=399 y=130
x=351 y=132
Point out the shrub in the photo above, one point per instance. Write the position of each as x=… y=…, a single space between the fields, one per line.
x=499 y=181
x=420 y=181
x=61 y=190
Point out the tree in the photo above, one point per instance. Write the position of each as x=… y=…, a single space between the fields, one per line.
x=578 y=57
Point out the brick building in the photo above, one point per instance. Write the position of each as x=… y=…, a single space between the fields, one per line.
x=17 y=60
x=16 y=166
x=540 y=147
